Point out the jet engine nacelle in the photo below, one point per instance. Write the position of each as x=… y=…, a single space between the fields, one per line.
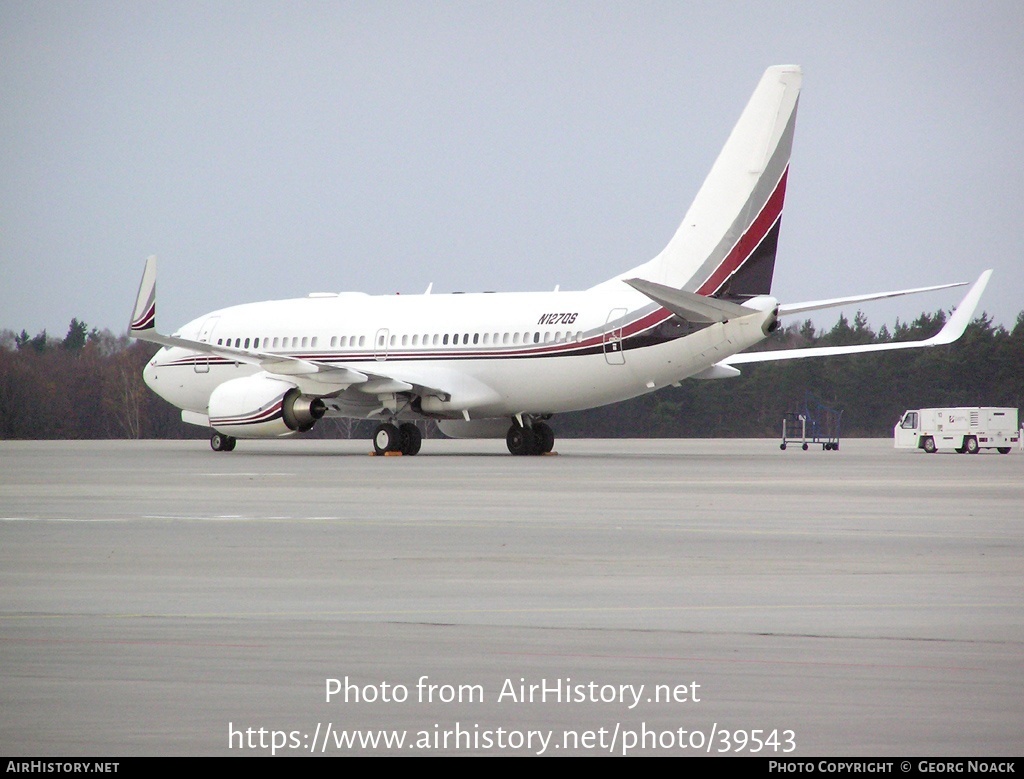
x=262 y=407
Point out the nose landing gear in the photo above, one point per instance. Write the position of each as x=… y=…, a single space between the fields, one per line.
x=222 y=443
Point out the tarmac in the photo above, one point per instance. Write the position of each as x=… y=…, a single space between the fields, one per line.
x=623 y=597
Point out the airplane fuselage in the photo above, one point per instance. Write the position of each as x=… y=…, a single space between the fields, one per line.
x=497 y=354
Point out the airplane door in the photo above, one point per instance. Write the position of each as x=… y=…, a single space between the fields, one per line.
x=613 y=353
x=202 y=363
x=380 y=344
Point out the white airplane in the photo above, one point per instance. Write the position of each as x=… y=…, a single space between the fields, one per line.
x=501 y=364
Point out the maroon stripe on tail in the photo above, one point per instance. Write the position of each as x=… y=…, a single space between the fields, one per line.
x=750 y=240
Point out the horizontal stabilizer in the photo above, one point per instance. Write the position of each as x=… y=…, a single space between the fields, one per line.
x=688 y=305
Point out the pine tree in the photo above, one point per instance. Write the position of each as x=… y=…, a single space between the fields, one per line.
x=75 y=339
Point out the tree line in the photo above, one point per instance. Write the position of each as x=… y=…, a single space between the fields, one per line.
x=89 y=385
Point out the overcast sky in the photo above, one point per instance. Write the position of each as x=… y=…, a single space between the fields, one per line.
x=268 y=150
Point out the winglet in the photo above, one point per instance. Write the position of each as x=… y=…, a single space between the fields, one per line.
x=144 y=316
x=963 y=314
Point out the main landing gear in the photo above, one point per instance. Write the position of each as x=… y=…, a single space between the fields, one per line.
x=222 y=443
x=537 y=438
x=405 y=438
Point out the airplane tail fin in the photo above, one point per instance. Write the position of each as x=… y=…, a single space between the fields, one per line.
x=725 y=246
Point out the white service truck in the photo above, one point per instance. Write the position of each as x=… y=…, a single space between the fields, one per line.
x=964 y=430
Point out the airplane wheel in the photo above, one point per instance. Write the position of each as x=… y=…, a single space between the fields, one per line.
x=782 y=447
x=971 y=445
x=1003 y=450
x=231 y=441
x=804 y=447
x=544 y=438
x=386 y=438
x=519 y=440
x=929 y=445
x=219 y=442
x=411 y=438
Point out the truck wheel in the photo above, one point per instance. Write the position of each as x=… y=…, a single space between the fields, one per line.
x=971 y=445
x=1003 y=450
x=929 y=445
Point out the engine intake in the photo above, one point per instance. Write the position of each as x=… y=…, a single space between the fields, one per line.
x=301 y=412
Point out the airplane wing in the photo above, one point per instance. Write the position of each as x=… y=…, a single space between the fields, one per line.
x=301 y=371
x=952 y=330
